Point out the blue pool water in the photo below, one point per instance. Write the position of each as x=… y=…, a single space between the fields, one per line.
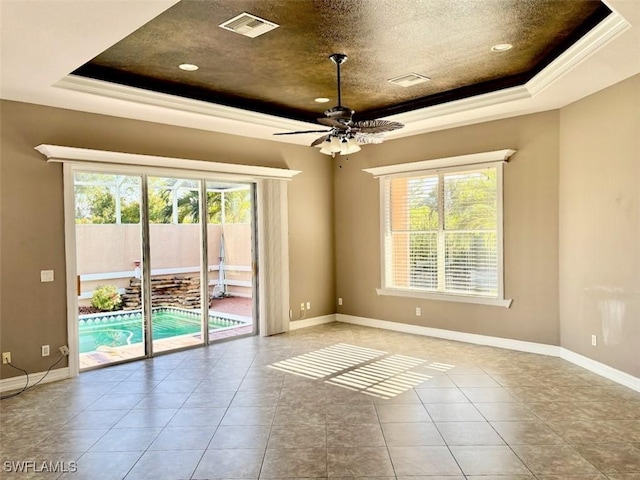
x=126 y=328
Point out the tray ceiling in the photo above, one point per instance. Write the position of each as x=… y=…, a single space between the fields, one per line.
x=282 y=71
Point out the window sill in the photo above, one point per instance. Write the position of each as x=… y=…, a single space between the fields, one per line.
x=447 y=297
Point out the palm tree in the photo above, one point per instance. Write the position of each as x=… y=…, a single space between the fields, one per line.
x=237 y=207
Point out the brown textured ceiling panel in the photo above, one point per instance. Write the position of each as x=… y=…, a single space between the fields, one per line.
x=282 y=71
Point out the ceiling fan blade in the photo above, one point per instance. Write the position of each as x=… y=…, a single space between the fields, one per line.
x=376 y=126
x=369 y=138
x=330 y=122
x=318 y=141
x=302 y=131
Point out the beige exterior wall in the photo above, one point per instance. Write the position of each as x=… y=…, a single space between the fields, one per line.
x=401 y=275
x=106 y=248
x=32 y=220
x=530 y=231
x=600 y=226
x=115 y=248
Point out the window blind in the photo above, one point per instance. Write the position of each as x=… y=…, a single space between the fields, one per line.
x=441 y=232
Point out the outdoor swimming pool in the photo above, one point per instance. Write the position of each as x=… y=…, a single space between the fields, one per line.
x=125 y=328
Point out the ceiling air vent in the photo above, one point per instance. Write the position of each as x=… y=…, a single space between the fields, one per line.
x=409 y=80
x=248 y=25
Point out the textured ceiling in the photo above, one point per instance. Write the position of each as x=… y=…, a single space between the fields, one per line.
x=281 y=72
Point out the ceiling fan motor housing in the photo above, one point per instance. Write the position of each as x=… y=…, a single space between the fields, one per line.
x=340 y=113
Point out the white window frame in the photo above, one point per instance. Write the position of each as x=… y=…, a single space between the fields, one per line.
x=430 y=167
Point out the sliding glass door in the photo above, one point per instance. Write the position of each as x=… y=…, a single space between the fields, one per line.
x=230 y=234
x=163 y=262
x=175 y=239
x=111 y=326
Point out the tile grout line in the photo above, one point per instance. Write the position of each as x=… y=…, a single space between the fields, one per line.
x=440 y=433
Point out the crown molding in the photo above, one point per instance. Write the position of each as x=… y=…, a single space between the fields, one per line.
x=489 y=99
x=174 y=102
x=600 y=35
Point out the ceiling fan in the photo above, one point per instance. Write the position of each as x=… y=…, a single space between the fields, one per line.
x=345 y=135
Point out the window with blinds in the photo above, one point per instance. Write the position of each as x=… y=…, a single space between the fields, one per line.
x=441 y=231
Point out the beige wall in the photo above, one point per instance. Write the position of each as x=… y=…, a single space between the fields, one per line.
x=312 y=268
x=32 y=227
x=600 y=226
x=571 y=212
x=530 y=231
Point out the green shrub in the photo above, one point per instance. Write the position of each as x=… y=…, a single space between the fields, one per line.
x=106 y=298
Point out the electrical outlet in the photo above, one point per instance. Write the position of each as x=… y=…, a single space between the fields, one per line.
x=64 y=350
x=6 y=358
x=339 y=300
x=418 y=311
x=46 y=276
x=594 y=341
x=308 y=305
x=45 y=350
x=302 y=307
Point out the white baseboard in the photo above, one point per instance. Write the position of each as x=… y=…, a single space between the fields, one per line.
x=542 y=349
x=601 y=369
x=312 y=322
x=539 y=348
x=18 y=383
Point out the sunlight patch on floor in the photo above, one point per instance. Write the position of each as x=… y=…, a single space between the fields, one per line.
x=327 y=361
x=361 y=369
x=383 y=378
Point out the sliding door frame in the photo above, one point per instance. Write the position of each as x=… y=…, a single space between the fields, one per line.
x=147 y=315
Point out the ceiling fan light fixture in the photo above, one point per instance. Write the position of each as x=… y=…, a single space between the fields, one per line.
x=334 y=145
x=344 y=145
x=326 y=147
x=349 y=145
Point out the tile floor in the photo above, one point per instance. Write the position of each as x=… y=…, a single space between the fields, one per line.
x=222 y=412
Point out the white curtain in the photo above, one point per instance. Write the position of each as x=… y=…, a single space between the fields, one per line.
x=273 y=251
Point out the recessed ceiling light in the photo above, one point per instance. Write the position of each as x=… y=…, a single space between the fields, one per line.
x=321 y=100
x=189 y=67
x=501 y=47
